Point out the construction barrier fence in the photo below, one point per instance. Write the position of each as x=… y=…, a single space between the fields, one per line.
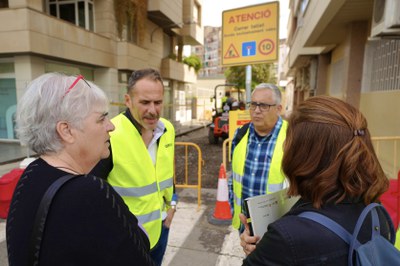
x=188 y=166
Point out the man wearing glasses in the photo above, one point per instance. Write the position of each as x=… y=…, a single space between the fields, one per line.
x=141 y=164
x=257 y=150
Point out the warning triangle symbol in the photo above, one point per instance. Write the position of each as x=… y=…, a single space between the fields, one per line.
x=231 y=52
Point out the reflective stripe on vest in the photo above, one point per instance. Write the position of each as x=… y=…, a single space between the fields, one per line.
x=143 y=191
x=166 y=183
x=275 y=176
x=136 y=191
x=146 y=218
x=143 y=187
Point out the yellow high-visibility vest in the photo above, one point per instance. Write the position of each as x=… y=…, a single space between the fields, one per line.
x=276 y=178
x=144 y=187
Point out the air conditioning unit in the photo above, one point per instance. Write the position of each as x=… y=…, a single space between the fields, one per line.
x=386 y=18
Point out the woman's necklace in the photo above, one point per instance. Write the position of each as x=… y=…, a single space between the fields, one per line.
x=66 y=168
x=57 y=162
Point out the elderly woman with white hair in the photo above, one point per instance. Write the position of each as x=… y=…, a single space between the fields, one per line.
x=59 y=214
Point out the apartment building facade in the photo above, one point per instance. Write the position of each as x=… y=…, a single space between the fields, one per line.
x=211 y=74
x=349 y=49
x=104 y=40
x=210 y=53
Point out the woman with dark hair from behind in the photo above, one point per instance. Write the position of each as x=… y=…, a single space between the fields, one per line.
x=331 y=164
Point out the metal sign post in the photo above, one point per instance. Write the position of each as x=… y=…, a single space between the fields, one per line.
x=248 y=83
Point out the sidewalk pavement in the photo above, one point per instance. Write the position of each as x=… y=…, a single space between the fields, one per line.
x=193 y=240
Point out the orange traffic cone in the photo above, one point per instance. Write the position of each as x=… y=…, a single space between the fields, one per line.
x=222 y=211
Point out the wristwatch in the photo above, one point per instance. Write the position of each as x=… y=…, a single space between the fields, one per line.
x=173 y=205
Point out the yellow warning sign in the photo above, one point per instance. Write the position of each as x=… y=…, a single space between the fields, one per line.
x=237 y=119
x=250 y=34
x=232 y=52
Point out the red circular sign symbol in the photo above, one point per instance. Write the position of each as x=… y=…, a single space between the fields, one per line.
x=266 y=46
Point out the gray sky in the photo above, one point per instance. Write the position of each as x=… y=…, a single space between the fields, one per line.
x=212 y=12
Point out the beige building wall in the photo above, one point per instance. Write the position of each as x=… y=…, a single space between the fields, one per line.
x=34 y=43
x=354 y=63
x=382 y=112
x=336 y=34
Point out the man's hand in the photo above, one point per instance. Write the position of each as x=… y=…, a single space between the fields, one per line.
x=247 y=241
x=170 y=215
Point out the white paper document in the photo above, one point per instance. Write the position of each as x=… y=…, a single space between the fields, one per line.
x=265 y=209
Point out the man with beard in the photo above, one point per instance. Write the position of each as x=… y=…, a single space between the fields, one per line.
x=257 y=150
x=140 y=167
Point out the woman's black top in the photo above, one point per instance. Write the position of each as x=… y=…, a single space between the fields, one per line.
x=88 y=222
x=293 y=240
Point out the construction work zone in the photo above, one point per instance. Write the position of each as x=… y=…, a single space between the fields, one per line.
x=186 y=153
x=226 y=152
x=183 y=176
x=222 y=211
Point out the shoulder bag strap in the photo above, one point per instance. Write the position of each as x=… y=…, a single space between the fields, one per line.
x=375 y=221
x=40 y=219
x=241 y=132
x=328 y=223
x=375 y=225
